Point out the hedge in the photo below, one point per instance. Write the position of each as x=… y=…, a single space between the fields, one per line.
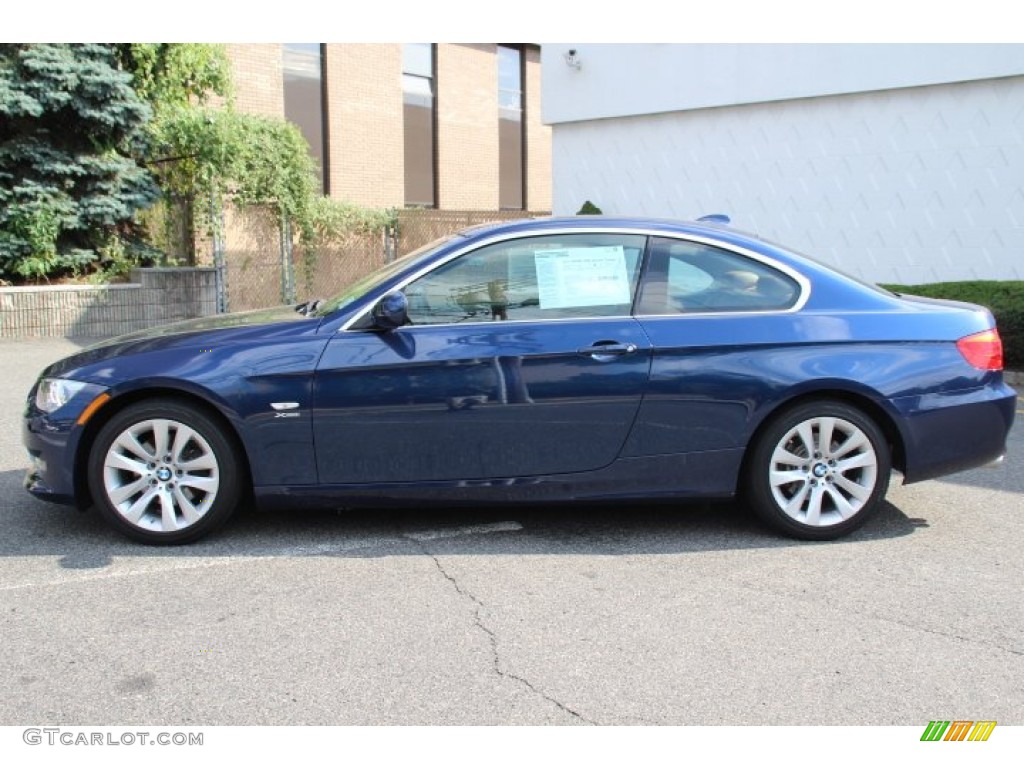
x=1004 y=298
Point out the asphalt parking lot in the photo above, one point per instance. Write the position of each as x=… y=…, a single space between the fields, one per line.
x=608 y=615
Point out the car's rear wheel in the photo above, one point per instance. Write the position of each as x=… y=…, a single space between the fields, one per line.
x=818 y=470
x=163 y=472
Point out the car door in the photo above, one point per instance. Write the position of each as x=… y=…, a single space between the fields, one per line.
x=714 y=317
x=522 y=360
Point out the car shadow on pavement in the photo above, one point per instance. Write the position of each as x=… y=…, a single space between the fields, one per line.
x=81 y=540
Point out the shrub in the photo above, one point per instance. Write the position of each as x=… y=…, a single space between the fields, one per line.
x=1004 y=298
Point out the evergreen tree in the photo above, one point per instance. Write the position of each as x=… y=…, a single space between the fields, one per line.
x=71 y=126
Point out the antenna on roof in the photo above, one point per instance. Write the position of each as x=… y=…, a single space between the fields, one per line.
x=715 y=218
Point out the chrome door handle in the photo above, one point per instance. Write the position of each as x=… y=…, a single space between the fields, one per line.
x=604 y=352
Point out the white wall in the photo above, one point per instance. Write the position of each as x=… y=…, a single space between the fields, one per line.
x=616 y=80
x=910 y=185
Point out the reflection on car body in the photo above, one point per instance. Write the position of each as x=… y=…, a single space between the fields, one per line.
x=590 y=358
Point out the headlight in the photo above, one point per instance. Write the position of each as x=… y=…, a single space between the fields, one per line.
x=53 y=393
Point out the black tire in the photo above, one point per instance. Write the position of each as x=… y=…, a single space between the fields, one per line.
x=808 y=492
x=174 y=498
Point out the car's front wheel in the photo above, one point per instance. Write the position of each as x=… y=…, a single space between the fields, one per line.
x=162 y=472
x=818 y=470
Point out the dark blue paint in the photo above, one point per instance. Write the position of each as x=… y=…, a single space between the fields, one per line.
x=476 y=401
x=518 y=412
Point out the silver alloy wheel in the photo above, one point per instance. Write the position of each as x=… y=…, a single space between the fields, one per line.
x=161 y=475
x=823 y=471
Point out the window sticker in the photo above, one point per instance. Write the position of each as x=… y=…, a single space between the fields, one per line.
x=582 y=277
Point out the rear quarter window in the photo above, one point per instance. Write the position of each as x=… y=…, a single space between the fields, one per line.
x=687 y=277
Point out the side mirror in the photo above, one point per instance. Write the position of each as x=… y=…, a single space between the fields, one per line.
x=391 y=312
x=307 y=308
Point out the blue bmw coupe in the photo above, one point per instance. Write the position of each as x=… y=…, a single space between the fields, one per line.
x=537 y=361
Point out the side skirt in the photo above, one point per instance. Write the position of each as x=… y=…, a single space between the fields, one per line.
x=691 y=475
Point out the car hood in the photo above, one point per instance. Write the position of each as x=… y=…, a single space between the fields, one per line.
x=253 y=317
x=216 y=329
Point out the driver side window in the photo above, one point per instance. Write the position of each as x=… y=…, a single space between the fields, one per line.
x=535 y=278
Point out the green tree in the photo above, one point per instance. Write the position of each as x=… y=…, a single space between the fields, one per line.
x=174 y=75
x=72 y=130
x=92 y=135
x=178 y=80
x=210 y=155
x=205 y=156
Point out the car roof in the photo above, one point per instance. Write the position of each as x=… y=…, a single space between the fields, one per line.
x=710 y=229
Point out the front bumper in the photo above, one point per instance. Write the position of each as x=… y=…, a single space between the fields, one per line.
x=52 y=441
x=36 y=484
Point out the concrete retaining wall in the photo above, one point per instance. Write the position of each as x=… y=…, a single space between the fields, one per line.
x=153 y=297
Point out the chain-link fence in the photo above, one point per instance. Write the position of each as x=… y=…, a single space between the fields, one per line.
x=259 y=266
x=322 y=274
x=419 y=226
x=252 y=263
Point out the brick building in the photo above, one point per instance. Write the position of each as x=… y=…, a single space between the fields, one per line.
x=447 y=126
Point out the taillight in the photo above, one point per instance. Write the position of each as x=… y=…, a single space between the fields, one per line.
x=983 y=350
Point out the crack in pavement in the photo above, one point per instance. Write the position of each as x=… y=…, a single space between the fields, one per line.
x=493 y=638
x=949 y=635
x=834 y=606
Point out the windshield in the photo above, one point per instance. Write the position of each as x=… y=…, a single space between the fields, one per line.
x=365 y=283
